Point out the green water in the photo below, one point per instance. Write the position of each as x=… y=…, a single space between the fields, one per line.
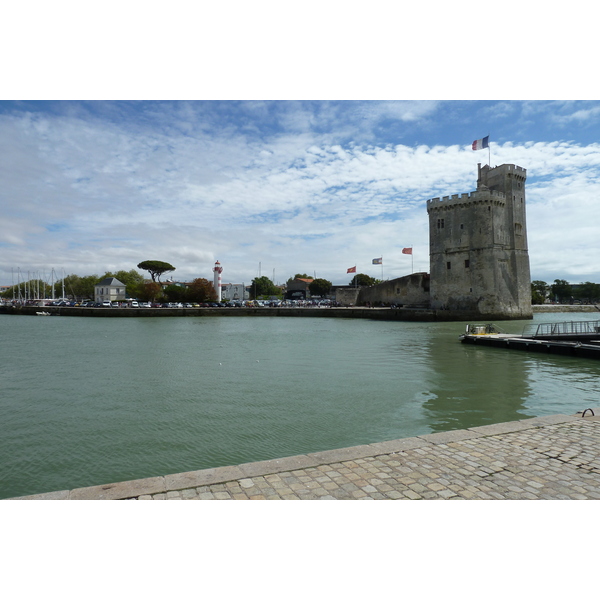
x=86 y=401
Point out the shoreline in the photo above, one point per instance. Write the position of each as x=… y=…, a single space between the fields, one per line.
x=549 y=457
x=375 y=313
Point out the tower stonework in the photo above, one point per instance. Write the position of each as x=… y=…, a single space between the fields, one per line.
x=478 y=248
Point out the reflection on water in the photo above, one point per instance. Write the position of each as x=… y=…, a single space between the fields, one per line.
x=88 y=401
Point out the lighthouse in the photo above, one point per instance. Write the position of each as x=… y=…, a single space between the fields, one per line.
x=218 y=269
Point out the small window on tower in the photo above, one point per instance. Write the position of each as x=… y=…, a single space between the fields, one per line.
x=448 y=265
x=467 y=263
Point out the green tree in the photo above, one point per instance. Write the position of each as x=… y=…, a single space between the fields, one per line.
x=263 y=286
x=175 y=293
x=539 y=292
x=587 y=292
x=561 y=290
x=156 y=268
x=76 y=287
x=362 y=280
x=30 y=289
x=319 y=287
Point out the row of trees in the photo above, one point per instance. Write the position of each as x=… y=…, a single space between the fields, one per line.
x=201 y=290
x=563 y=292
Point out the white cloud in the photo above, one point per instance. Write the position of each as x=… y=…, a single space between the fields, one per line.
x=97 y=194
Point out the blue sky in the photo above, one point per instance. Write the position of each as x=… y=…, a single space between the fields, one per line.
x=93 y=181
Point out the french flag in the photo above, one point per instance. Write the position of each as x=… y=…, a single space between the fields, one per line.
x=481 y=144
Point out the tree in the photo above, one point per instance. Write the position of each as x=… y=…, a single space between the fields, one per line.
x=539 y=292
x=77 y=287
x=263 y=286
x=133 y=281
x=156 y=268
x=149 y=291
x=32 y=289
x=561 y=290
x=319 y=287
x=175 y=293
x=587 y=292
x=202 y=290
x=362 y=280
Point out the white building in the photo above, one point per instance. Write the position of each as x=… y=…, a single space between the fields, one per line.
x=234 y=291
x=110 y=289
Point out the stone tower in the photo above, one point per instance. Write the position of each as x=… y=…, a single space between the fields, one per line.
x=478 y=248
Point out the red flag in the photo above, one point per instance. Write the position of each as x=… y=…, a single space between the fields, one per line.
x=406 y=250
x=351 y=270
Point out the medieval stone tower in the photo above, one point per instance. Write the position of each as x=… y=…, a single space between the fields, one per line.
x=478 y=247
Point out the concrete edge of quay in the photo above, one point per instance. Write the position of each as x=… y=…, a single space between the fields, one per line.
x=348 y=312
x=180 y=481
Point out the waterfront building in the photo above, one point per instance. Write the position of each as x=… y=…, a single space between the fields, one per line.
x=298 y=289
x=110 y=289
x=234 y=292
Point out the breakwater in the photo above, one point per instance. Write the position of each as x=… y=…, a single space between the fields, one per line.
x=352 y=312
x=386 y=314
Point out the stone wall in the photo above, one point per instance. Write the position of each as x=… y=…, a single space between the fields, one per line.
x=347 y=296
x=410 y=291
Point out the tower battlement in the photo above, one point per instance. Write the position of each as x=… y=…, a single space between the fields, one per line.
x=478 y=197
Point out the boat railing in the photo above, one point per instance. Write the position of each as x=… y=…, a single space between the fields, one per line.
x=562 y=329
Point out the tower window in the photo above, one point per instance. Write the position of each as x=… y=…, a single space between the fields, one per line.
x=440 y=223
x=448 y=265
x=467 y=263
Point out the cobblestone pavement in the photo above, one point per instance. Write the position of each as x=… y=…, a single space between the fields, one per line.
x=555 y=457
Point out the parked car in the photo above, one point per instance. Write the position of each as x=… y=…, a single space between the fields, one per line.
x=107 y=304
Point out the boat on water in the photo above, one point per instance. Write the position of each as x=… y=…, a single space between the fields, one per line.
x=43 y=313
x=479 y=329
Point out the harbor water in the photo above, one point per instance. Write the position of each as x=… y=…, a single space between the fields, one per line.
x=87 y=401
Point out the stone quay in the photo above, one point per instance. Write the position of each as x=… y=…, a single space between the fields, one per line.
x=554 y=457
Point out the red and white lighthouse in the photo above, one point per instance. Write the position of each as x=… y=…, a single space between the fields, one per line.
x=218 y=269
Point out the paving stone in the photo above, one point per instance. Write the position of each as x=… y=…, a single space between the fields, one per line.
x=555 y=457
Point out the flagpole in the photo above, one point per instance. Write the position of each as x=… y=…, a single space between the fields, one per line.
x=412 y=260
x=489 y=152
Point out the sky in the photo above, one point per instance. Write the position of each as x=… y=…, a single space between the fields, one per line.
x=273 y=159
x=282 y=187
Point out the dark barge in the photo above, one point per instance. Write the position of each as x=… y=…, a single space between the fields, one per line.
x=570 y=338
